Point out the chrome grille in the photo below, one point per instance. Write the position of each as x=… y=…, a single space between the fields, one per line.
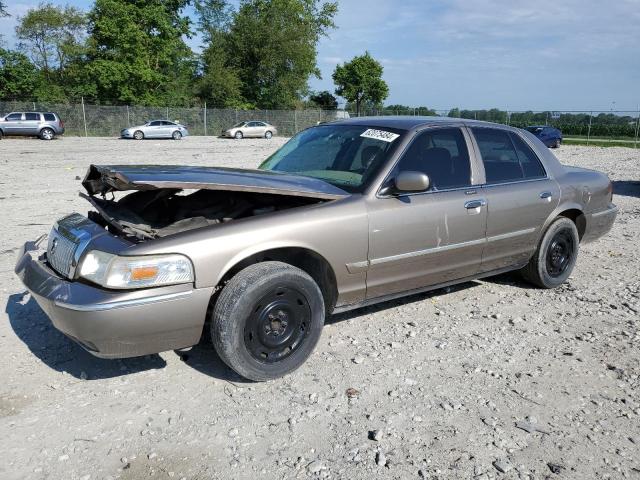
x=60 y=252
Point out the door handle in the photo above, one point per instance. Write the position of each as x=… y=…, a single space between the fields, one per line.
x=545 y=195
x=471 y=204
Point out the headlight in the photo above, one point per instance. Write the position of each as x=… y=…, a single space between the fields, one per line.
x=112 y=271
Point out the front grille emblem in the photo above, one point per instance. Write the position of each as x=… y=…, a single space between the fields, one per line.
x=54 y=244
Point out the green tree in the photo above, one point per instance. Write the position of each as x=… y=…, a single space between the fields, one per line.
x=272 y=46
x=324 y=100
x=219 y=84
x=18 y=76
x=136 y=52
x=52 y=36
x=454 y=113
x=213 y=16
x=360 y=80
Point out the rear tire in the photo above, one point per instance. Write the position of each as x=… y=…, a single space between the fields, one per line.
x=138 y=135
x=47 y=134
x=555 y=256
x=1 y=134
x=267 y=320
x=557 y=143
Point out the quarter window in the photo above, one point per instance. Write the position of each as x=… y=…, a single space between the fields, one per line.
x=49 y=117
x=442 y=154
x=531 y=165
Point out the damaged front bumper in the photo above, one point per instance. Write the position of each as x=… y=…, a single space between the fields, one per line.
x=115 y=324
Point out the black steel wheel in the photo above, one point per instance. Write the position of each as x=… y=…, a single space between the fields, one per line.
x=556 y=255
x=267 y=320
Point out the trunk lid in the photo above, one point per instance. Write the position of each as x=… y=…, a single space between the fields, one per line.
x=101 y=179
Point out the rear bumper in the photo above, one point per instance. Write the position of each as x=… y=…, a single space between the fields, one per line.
x=113 y=324
x=599 y=223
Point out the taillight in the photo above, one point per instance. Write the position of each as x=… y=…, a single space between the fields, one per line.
x=61 y=123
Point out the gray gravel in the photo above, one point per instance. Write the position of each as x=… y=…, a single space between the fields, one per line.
x=490 y=379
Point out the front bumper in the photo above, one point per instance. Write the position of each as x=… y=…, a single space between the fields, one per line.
x=124 y=134
x=115 y=324
x=599 y=223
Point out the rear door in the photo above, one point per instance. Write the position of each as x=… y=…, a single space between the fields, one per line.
x=31 y=123
x=252 y=129
x=520 y=197
x=154 y=130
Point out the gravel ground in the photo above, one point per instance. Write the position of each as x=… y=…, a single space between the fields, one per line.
x=489 y=379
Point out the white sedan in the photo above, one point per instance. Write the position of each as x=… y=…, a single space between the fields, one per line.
x=156 y=129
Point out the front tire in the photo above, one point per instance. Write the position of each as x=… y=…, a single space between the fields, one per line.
x=238 y=136
x=47 y=134
x=556 y=255
x=267 y=320
x=176 y=135
x=138 y=135
x=557 y=143
x=268 y=135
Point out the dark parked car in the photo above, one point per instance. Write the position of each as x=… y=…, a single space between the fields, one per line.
x=346 y=214
x=45 y=125
x=550 y=136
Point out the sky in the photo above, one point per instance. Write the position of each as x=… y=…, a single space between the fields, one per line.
x=507 y=54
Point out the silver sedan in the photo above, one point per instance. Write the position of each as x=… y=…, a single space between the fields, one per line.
x=251 y=129
x=156 y=129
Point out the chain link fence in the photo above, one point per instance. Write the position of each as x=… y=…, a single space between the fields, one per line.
x=621 y=127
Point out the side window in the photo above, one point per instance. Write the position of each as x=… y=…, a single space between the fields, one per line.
x=252 y=124
x=32 y=116
x=49 y=117
x=155 y=124
x=531 y=165
x=501 y=163
x=14 y=117
x=442 y=154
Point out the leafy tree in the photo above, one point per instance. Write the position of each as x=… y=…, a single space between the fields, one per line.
x=213 y=16
x=324 y=100
x=454 y=113
x=18 y=76
x=52 y=36
x=219 y=84
x=136 y=52
x=360 y=80
x=272 y=46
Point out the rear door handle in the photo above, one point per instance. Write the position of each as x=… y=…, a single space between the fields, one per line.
x=545 y=195
x=471 y=204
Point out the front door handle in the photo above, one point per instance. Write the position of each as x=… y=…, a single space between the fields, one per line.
x=545 y=195
x=471 y=204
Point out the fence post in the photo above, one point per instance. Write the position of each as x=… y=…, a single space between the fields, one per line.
x=589 y=129
x=205 y=119
x=34 y=105
x=236 y=116
x=84 y=118
x=128 y=119
x=167 y=117
x=635 y=141
x=295 y=122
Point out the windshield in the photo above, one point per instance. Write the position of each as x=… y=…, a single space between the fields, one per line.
x=347 y=156
x=534 y=129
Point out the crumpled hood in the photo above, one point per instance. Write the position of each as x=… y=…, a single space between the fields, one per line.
x=102 y=179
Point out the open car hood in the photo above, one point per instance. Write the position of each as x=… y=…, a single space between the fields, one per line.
x=102 y=179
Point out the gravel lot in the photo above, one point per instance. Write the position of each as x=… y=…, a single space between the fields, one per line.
x=488 y=379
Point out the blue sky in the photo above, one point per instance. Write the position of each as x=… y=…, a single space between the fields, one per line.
x=510 y=54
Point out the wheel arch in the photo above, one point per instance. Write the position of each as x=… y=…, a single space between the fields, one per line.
x=578 y=218
x=307 y=260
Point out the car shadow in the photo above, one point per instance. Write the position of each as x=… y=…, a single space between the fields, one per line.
x=60 y=353
x=627 y=188
x=204 y=359
x=398 y=302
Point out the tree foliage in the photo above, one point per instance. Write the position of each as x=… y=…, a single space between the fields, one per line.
x=272 y=46
x=324 y=100
x=360 y=80
x=18 y=76
x=51 y=36
x=136 y=52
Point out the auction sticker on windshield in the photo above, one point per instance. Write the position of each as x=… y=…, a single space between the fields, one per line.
x=380 y=135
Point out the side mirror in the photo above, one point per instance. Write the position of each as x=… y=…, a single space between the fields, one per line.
x=410 y=181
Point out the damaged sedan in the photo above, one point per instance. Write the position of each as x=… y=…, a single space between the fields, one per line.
x=344 y=215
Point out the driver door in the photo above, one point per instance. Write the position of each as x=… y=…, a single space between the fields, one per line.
x=433 y=237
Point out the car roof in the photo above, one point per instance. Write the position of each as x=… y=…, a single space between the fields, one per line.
x=411 y=122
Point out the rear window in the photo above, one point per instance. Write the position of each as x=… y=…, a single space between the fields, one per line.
x=49 y=117
x=506 y=157
x=31 y=116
